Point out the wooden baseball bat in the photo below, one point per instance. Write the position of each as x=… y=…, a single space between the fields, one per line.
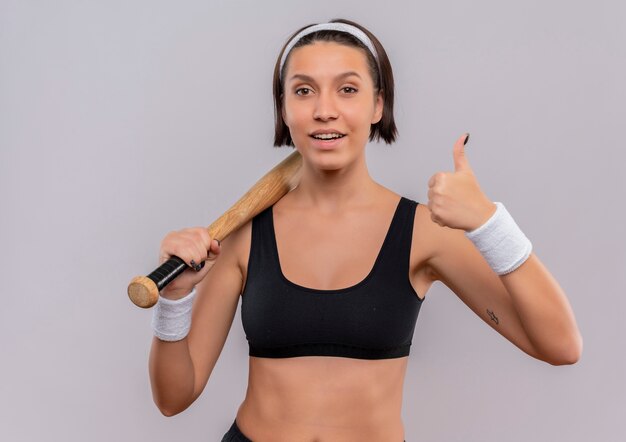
x=144 y=290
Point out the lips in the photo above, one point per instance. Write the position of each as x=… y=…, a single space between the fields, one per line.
x=327 y=144
x=335 y=137
x=326 y=132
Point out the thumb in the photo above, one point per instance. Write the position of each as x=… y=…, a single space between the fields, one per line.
x=460 y=160
x=214 y=250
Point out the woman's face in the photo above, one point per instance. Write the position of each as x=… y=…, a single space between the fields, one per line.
x=328 y=89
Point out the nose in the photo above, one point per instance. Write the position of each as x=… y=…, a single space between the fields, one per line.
x=325 y=107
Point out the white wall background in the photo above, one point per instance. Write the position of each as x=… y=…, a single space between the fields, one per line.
x=123 y=120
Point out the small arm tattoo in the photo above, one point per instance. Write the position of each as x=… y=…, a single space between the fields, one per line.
x=493 y=316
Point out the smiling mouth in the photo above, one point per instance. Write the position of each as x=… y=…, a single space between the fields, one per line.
x=334 y=137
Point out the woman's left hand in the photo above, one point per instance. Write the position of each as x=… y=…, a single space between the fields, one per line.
x=454 y=198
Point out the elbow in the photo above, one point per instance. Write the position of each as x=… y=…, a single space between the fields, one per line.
x=170 y=405
x=169 y=412
x=569 y=359
x=569 y=354
x=169 y=409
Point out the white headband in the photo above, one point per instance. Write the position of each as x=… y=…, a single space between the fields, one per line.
x=343 y=27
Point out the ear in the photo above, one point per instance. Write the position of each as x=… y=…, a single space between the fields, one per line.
x=282 y=108
x=378 y=107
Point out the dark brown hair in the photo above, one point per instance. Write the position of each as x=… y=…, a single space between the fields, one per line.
x=386 y=127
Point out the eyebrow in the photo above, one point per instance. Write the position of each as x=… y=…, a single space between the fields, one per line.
x=304 y=77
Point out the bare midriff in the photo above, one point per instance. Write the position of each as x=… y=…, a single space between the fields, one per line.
x=323 y=399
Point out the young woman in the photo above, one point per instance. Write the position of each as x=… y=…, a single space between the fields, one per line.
x=333 y=275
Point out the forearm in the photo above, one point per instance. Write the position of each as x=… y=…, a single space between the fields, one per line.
x=171 y=375
x=544 y=311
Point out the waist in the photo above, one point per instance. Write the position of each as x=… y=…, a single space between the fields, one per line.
x=327 y=398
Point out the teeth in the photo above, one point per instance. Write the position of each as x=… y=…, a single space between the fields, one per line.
x=327 y=136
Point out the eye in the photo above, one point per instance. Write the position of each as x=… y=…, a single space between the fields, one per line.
x=303 y=89
x=350 y=88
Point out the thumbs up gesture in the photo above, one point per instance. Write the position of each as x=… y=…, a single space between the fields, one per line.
x=455 y=199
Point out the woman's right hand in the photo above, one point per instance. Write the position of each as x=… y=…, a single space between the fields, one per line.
x=194 y=246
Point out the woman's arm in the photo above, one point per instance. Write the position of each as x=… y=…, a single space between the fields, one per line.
x=526 y=306
x=545 y=311
x=180 y=370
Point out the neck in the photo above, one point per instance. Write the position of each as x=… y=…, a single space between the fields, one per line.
x=332 y=191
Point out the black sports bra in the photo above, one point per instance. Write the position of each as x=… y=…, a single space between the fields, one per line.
x=373 y=319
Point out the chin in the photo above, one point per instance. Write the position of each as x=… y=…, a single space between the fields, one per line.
x=325 y=162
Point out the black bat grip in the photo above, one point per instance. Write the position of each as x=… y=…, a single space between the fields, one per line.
x=168 y=271
x=144 y=290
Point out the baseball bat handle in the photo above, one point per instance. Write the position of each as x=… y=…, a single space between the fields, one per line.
x=143 y=291
x=167 y=271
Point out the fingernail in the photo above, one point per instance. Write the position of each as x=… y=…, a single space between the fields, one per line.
x=466 y=138
x=199 y=266
x=192 y=264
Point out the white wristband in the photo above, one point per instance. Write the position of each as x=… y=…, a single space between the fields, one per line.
x=171 y=319
x=501 y=242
